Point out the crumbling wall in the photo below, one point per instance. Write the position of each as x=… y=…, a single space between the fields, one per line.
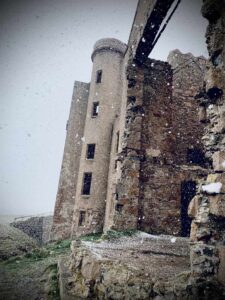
x=208 y=207
x=157 y=145
x=156 y=140
x=188 y=77
x=38 y=228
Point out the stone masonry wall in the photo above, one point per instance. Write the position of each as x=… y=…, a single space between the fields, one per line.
x=188 y=77
x=38 y=228
x=208 y=208
x=108 y=56
x=65 y=200
x=153 y=165
x=157 y=148
x=130 y=156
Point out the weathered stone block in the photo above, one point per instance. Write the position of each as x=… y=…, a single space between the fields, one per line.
x=219 y=160
x=217 y=205
x=193 y=206
x=214 y=76
x=221 y=271
x=90 y=268
x=193 y=235
x=202 y=114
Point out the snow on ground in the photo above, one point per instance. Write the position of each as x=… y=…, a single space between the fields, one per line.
x=212 y=188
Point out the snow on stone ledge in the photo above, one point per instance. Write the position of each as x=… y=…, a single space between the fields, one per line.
x=212 y=188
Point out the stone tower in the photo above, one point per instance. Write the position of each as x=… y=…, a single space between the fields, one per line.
x=103 y=105
x=65 y=199
x=80 y=202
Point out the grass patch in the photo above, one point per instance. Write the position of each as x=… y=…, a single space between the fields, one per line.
x=59 y=247
x=51 y=286
x=92 y=237
x=112 y=234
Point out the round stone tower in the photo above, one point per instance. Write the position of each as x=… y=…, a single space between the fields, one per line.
x=103 y=105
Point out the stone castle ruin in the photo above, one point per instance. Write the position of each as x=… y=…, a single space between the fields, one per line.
x=145 y=146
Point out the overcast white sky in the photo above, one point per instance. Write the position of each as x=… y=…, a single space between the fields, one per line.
x=45 y=46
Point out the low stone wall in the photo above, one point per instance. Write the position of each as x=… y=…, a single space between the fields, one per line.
x=36 y=227
x=138 y=267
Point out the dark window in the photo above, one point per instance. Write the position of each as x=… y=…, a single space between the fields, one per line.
x=99 y=76
x=82 y=218
x=119 y=207
x=196 y=157
x=86 y=184
x=117 y=141
x=188 y=191
x=95 y=109
x=90 y=151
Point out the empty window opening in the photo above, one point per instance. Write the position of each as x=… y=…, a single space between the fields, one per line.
x=117 y=141
x=188 y=191
x=90 y=151
x=195 y=156
x=82 y=218
x=95 y=109
x=131 y=100
x=131 y=82
x=99 y=76
x=119 y=207
x=86 y=184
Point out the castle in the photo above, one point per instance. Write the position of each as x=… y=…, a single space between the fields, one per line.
x=133 y=147
x=145 y=146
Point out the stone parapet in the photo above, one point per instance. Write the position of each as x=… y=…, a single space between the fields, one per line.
x=109 y=44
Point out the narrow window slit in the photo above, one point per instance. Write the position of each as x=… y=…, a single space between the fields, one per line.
x=90 y=151
x=95 y=109
x=99 y=76
x=82 y=217
x=87 y=184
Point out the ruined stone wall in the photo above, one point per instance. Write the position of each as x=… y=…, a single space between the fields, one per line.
x=38 y=228
x=65 y=200
x=188 y=77
x=155 y=202
x=149 y=187
x=208 y=207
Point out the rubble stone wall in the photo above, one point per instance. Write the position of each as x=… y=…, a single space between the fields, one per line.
x=207 y=208
x=38 y=228
x=188 y=77
x=156 y=140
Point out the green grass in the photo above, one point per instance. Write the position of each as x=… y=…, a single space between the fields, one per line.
x=109 y=235
x=39 y=267
x=51 y=286
x=112 y=234
x=92 y=237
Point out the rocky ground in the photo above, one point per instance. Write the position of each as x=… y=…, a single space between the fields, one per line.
x=159 y=257
x=137 y=266
x=116 y=265
x=32 y=273
x=28 y=272
x=14 y=242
